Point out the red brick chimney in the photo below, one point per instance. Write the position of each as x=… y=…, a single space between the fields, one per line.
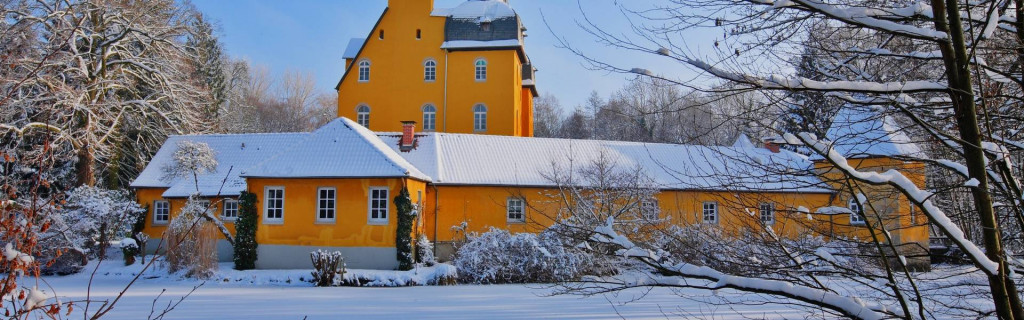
x=772 y=144
x=408 y=140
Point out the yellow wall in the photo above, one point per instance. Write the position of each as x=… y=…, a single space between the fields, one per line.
x=350 y=228
x=397 y=91
x=146 y=197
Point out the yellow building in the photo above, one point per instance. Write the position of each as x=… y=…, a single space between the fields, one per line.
x=475 y=169
x=461 y=70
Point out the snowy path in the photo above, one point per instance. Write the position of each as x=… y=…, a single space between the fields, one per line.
x=219 y=300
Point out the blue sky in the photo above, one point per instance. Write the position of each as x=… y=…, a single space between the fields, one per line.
x=310 y=36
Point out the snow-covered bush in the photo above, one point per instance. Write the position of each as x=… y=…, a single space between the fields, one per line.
x=192 y=241
x=92 y=218
x=328 y=266
x=129 y=249
x=498 y=256
x=425 y=251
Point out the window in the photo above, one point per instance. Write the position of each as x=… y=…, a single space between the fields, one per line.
x=325 y=204
x=710 y=212
x=430 y=70
x=767 y=211
x=230 y=210
x=378 y=206
x=161 y=212
x=857 y=215
x=273 y=204
x=481 y=69
x=479 y=118
x=205 y=204
x=380 y=34
x=485 y=26
x=649 y=209
x=418 y=34
x=515 y=209
x=363 y=116
x=364 y=70
x=429 y=117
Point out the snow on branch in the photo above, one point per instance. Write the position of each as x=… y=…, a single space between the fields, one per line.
x=849 y=306
x=920 y=197
x=781 y=82
x=877 y=19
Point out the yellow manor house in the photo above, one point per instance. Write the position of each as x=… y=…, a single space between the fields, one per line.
x=463 y=76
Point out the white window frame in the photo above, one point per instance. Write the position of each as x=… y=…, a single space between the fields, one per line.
x=429 y=117
x=430 y=70
x=363 y=117
x=649 y=209
x=370 y=209
x=363 y=70
x=156 y=214
x=856 y=212
x=480 y=70
x=480 y=117
x=224 y=210
x=513 y=203
x=333 y=209
x=266 y=205
x=766 y=209
x=709 y=209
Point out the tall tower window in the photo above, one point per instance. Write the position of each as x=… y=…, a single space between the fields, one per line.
x=429 y=117
x=429 y=70
x=364 y=70
x=479 y=118
x=363 y=115
x=481 y=70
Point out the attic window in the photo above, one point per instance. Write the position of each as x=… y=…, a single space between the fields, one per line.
x=485 y=26
x=380 y=34
x=418 y=34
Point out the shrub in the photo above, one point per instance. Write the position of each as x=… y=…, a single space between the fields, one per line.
x=92 y=218
x=425 y=251
x=403 y=234
x=129 y=249
x=245 y=246
x=325 y=265
x=497 y=256
x=192 y=242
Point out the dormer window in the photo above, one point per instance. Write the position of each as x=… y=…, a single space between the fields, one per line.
x=485 y=26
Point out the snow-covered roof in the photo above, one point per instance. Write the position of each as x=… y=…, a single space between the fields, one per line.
x=234 y=152
x=468 y=159
x=743 y=142
x=474 y=9
x=464 y=44
x=859 y=132
x=339 y=149
x=352 y=49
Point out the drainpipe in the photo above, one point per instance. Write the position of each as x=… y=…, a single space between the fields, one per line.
x=436 y=197
x=444 y=122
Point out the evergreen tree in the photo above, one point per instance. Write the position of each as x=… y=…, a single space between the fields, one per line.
x=207 y=62
x=245 y=232
x=403 y=235
x=809 y=111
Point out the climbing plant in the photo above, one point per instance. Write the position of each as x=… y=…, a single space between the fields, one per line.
x=245 y=232
x=403 y=236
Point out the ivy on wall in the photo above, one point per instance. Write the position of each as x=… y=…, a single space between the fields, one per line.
x=403 y=236
x=245 y=232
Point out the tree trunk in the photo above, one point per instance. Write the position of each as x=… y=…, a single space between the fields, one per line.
x=84 y=167
x=957 y=63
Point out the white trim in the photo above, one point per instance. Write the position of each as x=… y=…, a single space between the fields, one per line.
x=369 y=206
x=266 y=208
x=771 y=212
x=334 y=209
x=429 y=60
x=475 y=77
x=522 y=210
x=359 y=70
x=713 y=209
x=484 y=113
x=224 y=208
x=648 y=206
x=168 y=208
x=433 y=123
x=856 y=210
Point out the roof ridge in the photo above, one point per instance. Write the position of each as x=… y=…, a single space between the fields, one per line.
x=369 y=137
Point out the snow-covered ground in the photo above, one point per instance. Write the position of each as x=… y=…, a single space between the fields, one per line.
x=283 y=294
x=279 y=294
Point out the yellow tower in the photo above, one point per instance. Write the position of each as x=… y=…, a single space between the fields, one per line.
x=460 y=70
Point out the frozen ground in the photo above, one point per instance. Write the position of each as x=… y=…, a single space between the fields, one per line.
x=279 y=295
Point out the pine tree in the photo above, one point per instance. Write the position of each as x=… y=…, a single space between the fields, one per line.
x=403 y=235
x=245 y=232
x=809 y=111
x=207 y=61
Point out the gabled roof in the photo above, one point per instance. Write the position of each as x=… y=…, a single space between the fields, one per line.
x=468 y=159
x=861 y=132
x=339 y=149
x=234 y=152
x=352 y=49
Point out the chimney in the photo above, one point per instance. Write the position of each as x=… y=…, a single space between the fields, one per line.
x=772 y=144
x=408 y=141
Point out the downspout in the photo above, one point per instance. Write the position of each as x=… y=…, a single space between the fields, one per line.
x=444 y=119
x=436 y=197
